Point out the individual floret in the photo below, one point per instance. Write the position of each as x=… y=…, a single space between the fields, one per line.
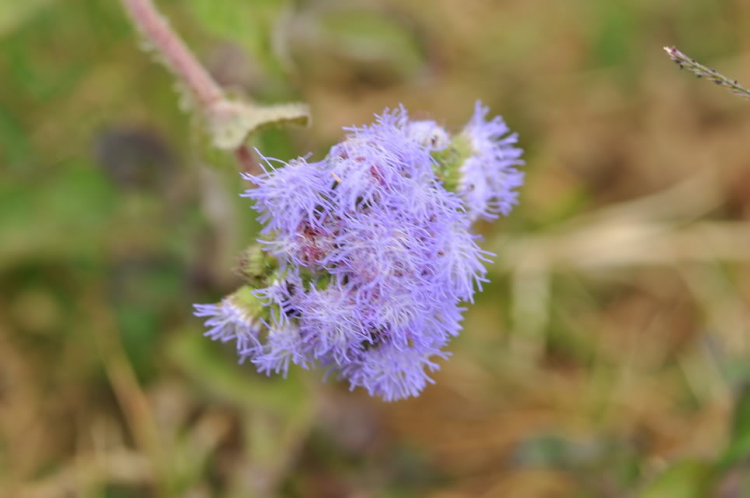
x=489 y=177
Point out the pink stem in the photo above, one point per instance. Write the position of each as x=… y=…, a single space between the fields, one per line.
x=174 y=51
x=185 y=65
x=247 y=160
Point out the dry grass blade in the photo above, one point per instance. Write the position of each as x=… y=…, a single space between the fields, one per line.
x=627 y=244
x=702 y=71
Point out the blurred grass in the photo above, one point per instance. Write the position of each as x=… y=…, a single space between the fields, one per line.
x=605 y=359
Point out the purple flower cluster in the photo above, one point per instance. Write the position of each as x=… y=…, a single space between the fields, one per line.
x=374 y=253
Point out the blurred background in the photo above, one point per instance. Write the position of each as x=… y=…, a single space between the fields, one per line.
x=607 y=358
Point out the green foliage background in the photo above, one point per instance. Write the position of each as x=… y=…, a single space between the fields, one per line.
x=609 y=357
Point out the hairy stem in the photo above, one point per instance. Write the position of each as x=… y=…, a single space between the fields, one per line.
x=185 y=66
x=176 y=55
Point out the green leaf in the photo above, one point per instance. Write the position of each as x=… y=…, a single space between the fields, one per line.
x=68 y=210
x=739 y=445
x=373 y=36
x=249 y=24
x=15 y=149
x=364 y=45
x=686 y=479
x=14 y=14
x=616 y=33
x=218 y=375
x=230 y=123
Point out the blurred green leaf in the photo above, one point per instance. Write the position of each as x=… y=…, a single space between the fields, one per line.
x=14 y=14
x=374 y=37
x=220 y=376
x=686 y=479
x=616 y=33
x=739 y=444
x=360 y=44
x=15 y=147
x=249 y=24
x=61 y=213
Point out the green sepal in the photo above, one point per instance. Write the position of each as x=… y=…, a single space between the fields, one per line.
x=256 y=266
x=244 y=299
x=449 y=160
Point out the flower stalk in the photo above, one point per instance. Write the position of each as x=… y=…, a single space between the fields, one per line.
x=173 y=51
x=228 y=122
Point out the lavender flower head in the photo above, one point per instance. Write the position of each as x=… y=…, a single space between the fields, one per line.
x=368 y=254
